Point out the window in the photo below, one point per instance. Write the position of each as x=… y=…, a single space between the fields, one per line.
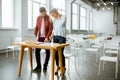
x=34 y=5
x=78 y=17
x=33 y=11
x=29 y=14
x=60 y=5
x=7 y=13
x=74 y=17
x=91 y=21
x=83 y=19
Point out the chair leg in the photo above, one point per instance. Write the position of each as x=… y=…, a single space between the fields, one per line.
x=68 y=65
x=103 y=65
x=33 y=57
x=75 y=61
x=77 y=74
x=69 y=68
x=116 y=70
x=96 y=56
x=99 y=67
x=27 y=54
x=7 y=53
x=13 y=53
x=83 y=59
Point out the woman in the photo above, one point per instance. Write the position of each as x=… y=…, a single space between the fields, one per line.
x=59 y=33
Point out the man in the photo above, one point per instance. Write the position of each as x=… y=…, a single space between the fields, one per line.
x=42 y=31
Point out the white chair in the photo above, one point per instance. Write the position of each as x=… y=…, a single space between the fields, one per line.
x=69 y=54
x=95 y=47
x=67 y=57
x=15 y=48
x=110 y=48
x=12 y=47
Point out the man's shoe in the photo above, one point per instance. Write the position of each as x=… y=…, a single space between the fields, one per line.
x=45 y=68
x=37 y=69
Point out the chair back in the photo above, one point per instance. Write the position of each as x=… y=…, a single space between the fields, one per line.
x=111 y=46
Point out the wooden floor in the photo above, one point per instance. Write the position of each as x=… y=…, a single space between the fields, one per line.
x=86 y=68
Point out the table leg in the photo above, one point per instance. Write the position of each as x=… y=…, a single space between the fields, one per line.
x=20 y=60
x=60 y=61
x=52 y=63
x=30 y=57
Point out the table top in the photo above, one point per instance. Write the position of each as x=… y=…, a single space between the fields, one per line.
x=43 y=45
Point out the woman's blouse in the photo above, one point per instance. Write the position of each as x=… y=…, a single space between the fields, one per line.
x=59 y=26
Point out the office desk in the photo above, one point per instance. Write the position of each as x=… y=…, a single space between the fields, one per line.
x=52 y=46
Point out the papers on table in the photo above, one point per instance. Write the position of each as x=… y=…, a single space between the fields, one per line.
x=48 y=44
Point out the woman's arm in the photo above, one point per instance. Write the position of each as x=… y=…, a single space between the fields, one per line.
x=63 y=21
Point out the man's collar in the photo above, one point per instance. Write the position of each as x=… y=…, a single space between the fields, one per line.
x=43 y=16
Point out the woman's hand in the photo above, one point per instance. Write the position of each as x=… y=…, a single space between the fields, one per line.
x=51 y=37
x=46 y=40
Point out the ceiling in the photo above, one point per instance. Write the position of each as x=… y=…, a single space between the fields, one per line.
x=101 y=3
x=107 y=2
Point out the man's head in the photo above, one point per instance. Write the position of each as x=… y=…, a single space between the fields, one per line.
x=42 y=11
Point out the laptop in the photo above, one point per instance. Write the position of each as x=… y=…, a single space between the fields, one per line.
x=30 y=39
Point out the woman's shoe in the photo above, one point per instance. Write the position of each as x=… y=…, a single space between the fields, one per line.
x=56 y=72
x=64 y=69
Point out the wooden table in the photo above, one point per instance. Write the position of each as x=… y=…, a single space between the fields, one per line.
x=52 y=46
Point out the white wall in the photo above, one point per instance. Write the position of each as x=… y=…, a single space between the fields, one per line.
x=103 y=22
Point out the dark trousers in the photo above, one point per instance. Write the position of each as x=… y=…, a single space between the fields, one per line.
x=37 y=53
x=59 y=39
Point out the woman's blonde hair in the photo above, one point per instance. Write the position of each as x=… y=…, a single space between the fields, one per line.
x=53 y=10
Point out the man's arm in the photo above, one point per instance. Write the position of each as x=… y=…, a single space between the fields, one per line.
x=50 y=30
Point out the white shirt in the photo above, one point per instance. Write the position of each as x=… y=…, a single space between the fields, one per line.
x=42 y=29
x=59 y=27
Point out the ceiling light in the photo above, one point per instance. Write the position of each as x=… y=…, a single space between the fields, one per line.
x=105 y=4
x=103 y=9
x=98 y=4
x=108 y=8
x=112 y=3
